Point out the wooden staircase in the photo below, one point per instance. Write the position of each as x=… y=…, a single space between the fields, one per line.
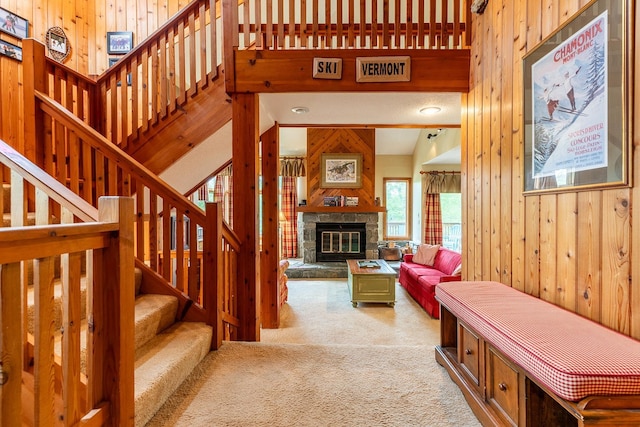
x=166 y=349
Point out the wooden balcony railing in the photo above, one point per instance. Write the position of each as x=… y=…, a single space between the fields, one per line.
x=58 y=385
x=347 y=24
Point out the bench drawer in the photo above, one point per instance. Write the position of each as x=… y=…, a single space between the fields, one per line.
x=469 y=353
x=502 y=386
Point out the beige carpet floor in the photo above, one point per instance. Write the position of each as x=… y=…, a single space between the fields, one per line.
x=328 y=365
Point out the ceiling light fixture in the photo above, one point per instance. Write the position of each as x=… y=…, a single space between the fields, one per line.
x=430 y=110
x=300 y=110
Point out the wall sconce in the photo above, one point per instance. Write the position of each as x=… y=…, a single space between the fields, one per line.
x=434 y=134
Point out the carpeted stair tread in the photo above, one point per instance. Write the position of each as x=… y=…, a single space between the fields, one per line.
x=57 y=298
x=154 y=314
x=164 y=363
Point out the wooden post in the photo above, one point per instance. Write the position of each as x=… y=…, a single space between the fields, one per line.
x=230 y=41
x=112 y=316
x=212 y=270
x=34 y=78
x=270 y=256
x=245 y=213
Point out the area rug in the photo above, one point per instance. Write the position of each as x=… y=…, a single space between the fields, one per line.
x=328 y=365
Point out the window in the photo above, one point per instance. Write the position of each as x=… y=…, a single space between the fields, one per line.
x=451 y=206
x=397 y=200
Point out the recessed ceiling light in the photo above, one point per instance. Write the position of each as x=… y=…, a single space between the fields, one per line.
x=430 y=110
x=300 y=110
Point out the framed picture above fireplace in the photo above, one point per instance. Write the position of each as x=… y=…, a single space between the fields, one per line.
x=341 y=170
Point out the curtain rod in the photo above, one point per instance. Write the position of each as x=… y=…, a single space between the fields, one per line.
x=442 y=172
x=291 y=158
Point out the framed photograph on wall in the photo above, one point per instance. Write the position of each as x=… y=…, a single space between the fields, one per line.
x=577 y=104
x=341 y=170
x=119 y=42
x=113 y=61
x=10 y=50
x=11 y=23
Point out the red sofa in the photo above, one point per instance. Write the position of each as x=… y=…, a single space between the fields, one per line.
x=421 y=280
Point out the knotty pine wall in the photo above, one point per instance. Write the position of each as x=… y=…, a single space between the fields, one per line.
x=340 y=140
x=574 y=249
x=85 y=22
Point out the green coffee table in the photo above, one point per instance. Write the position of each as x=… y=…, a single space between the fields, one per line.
x=371 y=281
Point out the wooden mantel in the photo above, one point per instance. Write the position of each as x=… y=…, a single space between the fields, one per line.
x=342 y=209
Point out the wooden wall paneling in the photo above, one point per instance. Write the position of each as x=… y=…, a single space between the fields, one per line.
x=588 y=255
x=487 y=110
x=519 y=42
x=98 y=48
x=340 y=140
x=635 y=171
x=615 y=261
x=477 y=158
x=532 y=203
x=496 y=223
x=504 y=45
x=566 y=253
x=464 y=177
x=549 y=11
x=548 y=254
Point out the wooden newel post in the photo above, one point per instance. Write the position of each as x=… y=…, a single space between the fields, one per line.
x=34 y=79
x=112 y=315
x=213 y=259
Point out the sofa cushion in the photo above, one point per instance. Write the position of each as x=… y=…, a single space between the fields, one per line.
x=572 y=356
x=426 y=254
x=447 y=260
x=419 y=270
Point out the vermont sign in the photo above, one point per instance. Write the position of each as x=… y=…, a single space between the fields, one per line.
x=383 y=69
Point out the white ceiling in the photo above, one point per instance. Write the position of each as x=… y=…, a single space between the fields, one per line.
x=394 y=115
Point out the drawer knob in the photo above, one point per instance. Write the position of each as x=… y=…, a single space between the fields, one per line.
x=502 y=387
x=468 y=351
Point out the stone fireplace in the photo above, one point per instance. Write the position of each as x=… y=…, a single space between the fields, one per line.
x=342 y=230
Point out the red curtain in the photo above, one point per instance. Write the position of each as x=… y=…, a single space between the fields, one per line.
x=432 y=219
x=289 y=226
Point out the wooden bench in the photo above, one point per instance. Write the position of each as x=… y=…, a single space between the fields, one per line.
x=522 y=361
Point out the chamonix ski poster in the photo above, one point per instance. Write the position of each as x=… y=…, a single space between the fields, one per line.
x=569 y=104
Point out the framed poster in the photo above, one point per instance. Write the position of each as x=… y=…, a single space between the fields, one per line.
x=11 y=23
x=119 y=42
x=341 y=170
x=10 y=50
x=577 y=104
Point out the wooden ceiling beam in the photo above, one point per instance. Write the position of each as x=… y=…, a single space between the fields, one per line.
x=262 y=71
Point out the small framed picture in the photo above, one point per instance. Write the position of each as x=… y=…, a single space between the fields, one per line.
x=341 y=170
x=10 y=50
x=11 y=23
x=113 y=61
x=119 y=42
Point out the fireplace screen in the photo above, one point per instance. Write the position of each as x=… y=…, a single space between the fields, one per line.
x=347 y=242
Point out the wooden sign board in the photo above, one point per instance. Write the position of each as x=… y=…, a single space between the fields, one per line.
x=383 y=69
x=327 y=68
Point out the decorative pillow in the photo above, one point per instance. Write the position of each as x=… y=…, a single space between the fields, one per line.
x=457 y=271
x=426 y=254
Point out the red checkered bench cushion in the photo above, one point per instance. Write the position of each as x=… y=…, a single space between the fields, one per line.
x=571 y=355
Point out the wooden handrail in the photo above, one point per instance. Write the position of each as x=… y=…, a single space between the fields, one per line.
x=100 y=143
x=148 y=42
x=38 y=178
x=101 y=387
